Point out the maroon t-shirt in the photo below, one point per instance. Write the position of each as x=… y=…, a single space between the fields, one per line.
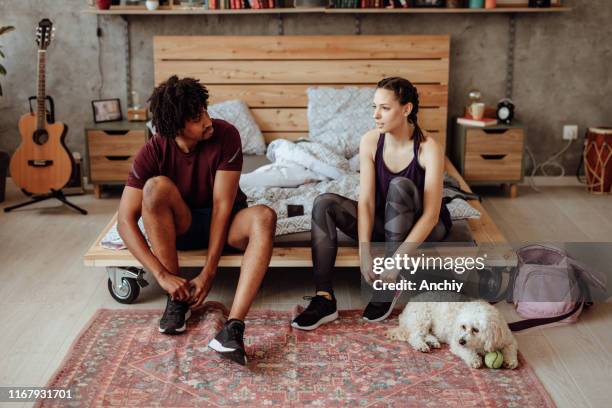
x=193 y=172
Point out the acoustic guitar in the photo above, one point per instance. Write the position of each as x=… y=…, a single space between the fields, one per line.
x=42 y=162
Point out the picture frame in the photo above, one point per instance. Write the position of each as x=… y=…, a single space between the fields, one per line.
x=107 y=110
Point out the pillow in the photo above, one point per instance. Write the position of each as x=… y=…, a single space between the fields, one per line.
x=338 y=118
x=238 y=114
x=460 y=209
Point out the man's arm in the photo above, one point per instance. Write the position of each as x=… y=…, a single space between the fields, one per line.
x=130 y=209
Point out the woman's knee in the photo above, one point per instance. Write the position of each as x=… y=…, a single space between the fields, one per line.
x=323 y=203
x=402 y=189
x=156 y=192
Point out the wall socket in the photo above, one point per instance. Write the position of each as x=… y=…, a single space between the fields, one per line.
x=570 y=132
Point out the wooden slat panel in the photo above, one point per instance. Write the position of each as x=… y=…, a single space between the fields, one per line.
x=304 y=72
x=293 y=136
x=296 y=119
x=300 y=47
x=294 y=96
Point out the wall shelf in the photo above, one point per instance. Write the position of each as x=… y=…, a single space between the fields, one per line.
x=199 y=10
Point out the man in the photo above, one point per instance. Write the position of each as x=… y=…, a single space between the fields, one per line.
x=184 y=183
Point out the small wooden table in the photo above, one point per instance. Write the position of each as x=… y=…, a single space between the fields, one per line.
x=111 y=148
x=491 y=155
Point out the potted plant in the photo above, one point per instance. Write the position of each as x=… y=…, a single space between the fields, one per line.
x=4 y=156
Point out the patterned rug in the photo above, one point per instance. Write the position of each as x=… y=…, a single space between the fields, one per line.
x=120 y=359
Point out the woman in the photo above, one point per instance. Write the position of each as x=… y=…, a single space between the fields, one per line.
x=400 y=199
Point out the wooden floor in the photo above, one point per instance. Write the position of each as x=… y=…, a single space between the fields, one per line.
x=47 y=295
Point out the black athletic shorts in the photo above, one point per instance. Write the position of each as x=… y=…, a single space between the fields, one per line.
x=197 y=235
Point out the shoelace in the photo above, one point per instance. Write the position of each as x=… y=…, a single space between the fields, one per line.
x=315 y=301
x=175 y=309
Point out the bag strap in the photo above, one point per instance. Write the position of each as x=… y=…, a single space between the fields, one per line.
x=583 y=302
x=529 y=323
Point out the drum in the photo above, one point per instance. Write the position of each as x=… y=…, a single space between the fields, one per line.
x=598 y=159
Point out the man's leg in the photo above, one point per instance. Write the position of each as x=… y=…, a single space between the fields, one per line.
x=165 y=215
x=251 y=230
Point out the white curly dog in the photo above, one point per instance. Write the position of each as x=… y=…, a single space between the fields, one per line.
x=470 y=328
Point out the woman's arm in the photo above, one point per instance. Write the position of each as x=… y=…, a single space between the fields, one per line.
x=432 y=158
x=367 y=188
x=366 y=204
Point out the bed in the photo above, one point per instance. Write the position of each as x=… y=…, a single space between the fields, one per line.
x=271 y=74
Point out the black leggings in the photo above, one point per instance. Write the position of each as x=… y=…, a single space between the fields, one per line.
x=331 y=211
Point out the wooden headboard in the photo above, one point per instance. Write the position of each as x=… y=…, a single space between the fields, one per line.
x=271 y=73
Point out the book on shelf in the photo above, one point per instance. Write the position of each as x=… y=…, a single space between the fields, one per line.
x=484 y=122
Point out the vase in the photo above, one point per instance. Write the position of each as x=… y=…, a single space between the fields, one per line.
x=104 y=4
x=476 y=3
x=490 y=4
x=152 y=4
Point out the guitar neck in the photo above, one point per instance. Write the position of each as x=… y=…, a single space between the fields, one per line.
x=41 y=111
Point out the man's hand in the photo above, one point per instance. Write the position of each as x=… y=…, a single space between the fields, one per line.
x=177 y=287
x=200 y=286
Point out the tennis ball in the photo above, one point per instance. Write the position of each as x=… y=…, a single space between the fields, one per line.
x=494 y=359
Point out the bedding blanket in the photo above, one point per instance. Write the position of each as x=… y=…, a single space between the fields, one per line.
x=335 y=173
x=315 y=170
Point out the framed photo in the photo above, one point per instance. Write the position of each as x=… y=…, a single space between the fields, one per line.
x=107 y=110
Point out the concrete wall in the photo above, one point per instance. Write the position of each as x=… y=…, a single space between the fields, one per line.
x=562 y=72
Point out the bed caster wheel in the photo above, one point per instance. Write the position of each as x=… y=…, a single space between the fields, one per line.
x=126 y=291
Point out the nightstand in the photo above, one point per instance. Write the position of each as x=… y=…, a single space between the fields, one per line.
x=111 y=148
x=491 y=155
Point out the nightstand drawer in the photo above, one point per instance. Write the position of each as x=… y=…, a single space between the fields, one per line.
x=493 y=154
x=481 y=141
x=115 y=142
x=488 y=166
x=110 y=168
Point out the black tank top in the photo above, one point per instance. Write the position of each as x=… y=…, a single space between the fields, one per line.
x=413 y=172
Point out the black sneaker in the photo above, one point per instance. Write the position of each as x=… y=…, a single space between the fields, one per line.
x=320 y=311
x=229 y=341
x=174 y=319
x=379 y=311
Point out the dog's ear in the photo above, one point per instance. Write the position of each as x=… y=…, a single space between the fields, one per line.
x=494 y=334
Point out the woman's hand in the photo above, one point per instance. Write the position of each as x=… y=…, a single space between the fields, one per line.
x=366 y=264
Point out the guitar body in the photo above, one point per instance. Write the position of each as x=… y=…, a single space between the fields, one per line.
x=42 y=162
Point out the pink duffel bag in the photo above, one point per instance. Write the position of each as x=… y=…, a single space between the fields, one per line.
x=549 y=286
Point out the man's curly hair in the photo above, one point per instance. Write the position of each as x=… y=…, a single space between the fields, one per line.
x=176 y=101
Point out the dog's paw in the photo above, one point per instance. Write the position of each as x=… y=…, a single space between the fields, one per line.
x=420 y=346
x=432 y=341
x=475 y=362
x=511 y=363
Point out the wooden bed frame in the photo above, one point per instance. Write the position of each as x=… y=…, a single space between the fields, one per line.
x=271 y=74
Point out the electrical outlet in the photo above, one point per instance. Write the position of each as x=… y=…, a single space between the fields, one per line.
x=570 y=132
